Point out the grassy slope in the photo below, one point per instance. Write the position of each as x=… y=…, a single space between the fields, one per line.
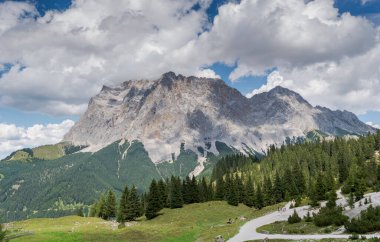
x=195 y=222
x=284 y=227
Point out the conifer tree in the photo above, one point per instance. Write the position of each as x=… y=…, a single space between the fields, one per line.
x=203 y=190
x=278 y=189
x=163 y=191
x=133 y=209
x=122 y=211
x=220 y=189
x=79 y=212
x=267 y=191
x=187 y=190
x=101 y=207
x=3 y=233
x=259 y=198
x=175 y=199
x=153 y=203
x=250 y=198
x=194 y=190
x=241 y=192
x=110 y=205
x=232 y=195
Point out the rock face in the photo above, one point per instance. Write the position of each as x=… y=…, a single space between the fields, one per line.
x=170 y=111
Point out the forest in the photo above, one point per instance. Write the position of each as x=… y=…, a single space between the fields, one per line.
x=311 y=170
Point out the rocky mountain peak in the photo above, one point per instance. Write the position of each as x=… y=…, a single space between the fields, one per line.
x=174 y=109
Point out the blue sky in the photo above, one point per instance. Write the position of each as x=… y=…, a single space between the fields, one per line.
x=48 y=75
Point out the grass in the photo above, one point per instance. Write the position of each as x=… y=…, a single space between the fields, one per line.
x=283 y=227
x=195 y=222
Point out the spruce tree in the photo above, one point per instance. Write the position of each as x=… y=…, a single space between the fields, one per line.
x=232 y=195
x=122 y=211
x=203 y=190
x=175 y=199
x=101 y=207
x=259 y=198
x=278 y=189
x=133 y=209
x=250 y=190
x=220 y=189
x=194 y=190
x=153 y=203
x=110 y=205
x=187 y=190
x=163 y=191
x=267 y=191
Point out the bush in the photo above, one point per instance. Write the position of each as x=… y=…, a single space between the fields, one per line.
x=2 y=233
x=330 y=216
x=368 y=221
x=308 y=218
x=294 y=218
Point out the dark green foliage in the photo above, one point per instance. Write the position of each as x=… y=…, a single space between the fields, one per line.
x=133 y=209
x=259 y=201
x=163 y=193
x=175 y=199
x=329 y=216
x=121 y=216
x=369 y=221
x=154 y=202
x=250 y=193
x=110 y=208
x=232 y=195
x=278 y=189
x=220 y=189
x=294 y=218
x=308 y=217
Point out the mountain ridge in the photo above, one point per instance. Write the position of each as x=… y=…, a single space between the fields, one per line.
x=174 y=109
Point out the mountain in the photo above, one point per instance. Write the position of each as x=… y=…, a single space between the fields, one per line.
x=147 y=129
x=197 y=112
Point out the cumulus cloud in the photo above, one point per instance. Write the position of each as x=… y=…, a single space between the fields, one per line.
x=61 y=59
x=13 y=137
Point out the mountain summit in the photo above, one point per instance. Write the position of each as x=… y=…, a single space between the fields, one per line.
x=175 y=110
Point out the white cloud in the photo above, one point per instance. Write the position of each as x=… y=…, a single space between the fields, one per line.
x=373 y=125
x=13 y=137
x=61 y=59
x=208 y=73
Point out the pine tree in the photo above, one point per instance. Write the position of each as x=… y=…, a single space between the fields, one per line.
x=133 y=209
x=360 y=189
x=250 y=198
x=187 y=190
x=259 y=198
x=351 y=200
x=241 y=192
x=232 y=195
x=320 y=188
x=110 y=205
x=175 y=199
x=101 y=207
x=267 y=191
x=93 y=211
x=220 y=189
x=153 y=203
x=121 y=216
x=194 y=190
x=163 y=191
x=203 y=190
x=278 y=189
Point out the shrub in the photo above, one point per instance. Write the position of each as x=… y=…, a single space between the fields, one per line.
x=294 y=218
x=354 y=236
x=308 y=218
x=368 y=221
x=330 y=216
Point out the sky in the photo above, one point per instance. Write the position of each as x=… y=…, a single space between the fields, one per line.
x=56 y=54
